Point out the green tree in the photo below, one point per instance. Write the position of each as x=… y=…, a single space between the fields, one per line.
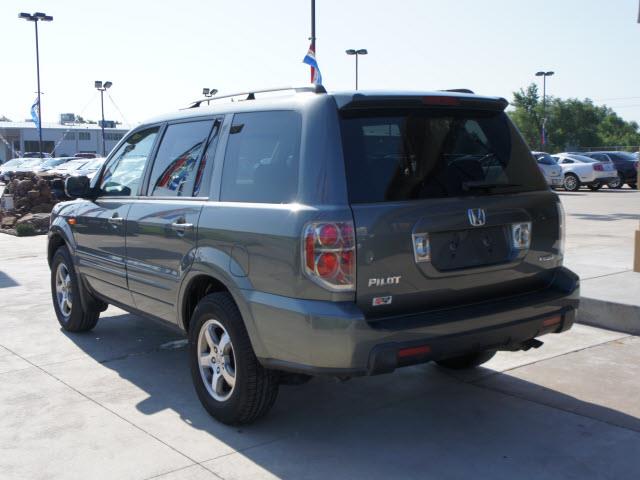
x=572 y=124
x=528 y=114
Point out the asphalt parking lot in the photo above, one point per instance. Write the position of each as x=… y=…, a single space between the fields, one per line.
x=117 y=403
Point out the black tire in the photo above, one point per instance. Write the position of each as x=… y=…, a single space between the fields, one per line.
x=75 y=318
x=594 y=187
x=616 y=184
x=470 y=360
x=255 y=387
x=571 y=182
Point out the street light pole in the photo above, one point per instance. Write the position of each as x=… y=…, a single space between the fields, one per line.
x=102 y=87
x=356 y=53
x=35 y=18
x=544 y=76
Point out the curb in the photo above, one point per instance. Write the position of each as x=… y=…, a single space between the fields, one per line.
x=610 y=315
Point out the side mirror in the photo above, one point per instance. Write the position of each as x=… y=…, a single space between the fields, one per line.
x=77 y=187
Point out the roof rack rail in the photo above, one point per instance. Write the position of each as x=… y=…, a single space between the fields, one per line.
x=251 y=95
x=458 y=90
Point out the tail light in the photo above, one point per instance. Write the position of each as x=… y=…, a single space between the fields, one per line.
x=599 y=167
x=329 y=255
x=562 y=230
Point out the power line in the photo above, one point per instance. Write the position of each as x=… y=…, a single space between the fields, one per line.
x=118 y=109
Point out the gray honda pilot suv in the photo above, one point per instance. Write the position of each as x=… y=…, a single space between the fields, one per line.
x=296 y=233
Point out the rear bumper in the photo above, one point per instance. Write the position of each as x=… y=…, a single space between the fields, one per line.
x=334 y=338
x=604 y=180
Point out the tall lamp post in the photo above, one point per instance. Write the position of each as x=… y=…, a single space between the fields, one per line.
x=102 y=88
x=209 y=92
x=35 y=18
x=544 y=76
x=362 y=51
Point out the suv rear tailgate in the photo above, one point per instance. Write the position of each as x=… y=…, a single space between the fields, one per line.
x=460 y=176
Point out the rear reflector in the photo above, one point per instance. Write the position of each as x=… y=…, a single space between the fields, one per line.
x=414 y=351
x=547 y=322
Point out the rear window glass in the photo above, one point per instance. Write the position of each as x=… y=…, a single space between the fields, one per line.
x=546 y=160
x=261 y=159
x=415 y=154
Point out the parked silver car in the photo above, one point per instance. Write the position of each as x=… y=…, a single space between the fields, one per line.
x=550 y=169
x=580 y=170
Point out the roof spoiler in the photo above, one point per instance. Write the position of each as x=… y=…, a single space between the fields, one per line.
x=457 y=99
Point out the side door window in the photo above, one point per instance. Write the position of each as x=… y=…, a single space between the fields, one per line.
x=122 y=175
x=262 y=157
x=176 y=169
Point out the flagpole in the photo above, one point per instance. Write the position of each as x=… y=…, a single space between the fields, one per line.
x=39 y=102
x=313 y=30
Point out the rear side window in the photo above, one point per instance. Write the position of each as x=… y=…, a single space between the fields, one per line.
x=176 y=165
x=415 y=154
x=262 y=157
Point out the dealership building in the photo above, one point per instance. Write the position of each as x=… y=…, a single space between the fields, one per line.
x=60 y=140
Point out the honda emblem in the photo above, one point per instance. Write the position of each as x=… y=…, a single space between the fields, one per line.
x=477 y=217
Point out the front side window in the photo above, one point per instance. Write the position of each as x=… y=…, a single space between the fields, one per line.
x=123 y=173
x=262 y=156
x=176 y=166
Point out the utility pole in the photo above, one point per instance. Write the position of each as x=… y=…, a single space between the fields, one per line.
x=544 y=76
x=356 y=53
x=35 y=18
x=102 y=87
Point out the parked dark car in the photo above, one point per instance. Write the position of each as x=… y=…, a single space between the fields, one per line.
x=626 y=164
x=319 y=234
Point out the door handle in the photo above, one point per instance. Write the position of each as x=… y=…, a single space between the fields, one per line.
x=116 y=220
x=181 y=227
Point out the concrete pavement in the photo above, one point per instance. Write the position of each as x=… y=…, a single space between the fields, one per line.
x=600 y=244
x=117 y=403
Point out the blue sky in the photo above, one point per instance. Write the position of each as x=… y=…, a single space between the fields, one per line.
x=160 y=54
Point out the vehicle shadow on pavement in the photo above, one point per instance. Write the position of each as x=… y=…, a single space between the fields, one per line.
x=6 y=281
x=422 y=420
x=609 y=217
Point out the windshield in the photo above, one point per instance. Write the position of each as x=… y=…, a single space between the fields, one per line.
x=73 y=165
x=53 y=162
x=394 y=155
x=13 y=163
x=94 y=164
x=31 y=162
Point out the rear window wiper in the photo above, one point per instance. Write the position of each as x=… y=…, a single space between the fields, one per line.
x=480 y=185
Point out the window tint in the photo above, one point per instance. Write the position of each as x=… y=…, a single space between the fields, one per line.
x=395 y=155
x=262 y=156
x=123 y=173
x=546 y=160
x=176 y=164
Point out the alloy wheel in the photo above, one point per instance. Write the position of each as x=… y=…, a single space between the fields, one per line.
x=216 y=359
x=64 y=291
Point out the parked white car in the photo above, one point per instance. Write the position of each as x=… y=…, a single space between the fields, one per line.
x=580 y=170
x=550 y=169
